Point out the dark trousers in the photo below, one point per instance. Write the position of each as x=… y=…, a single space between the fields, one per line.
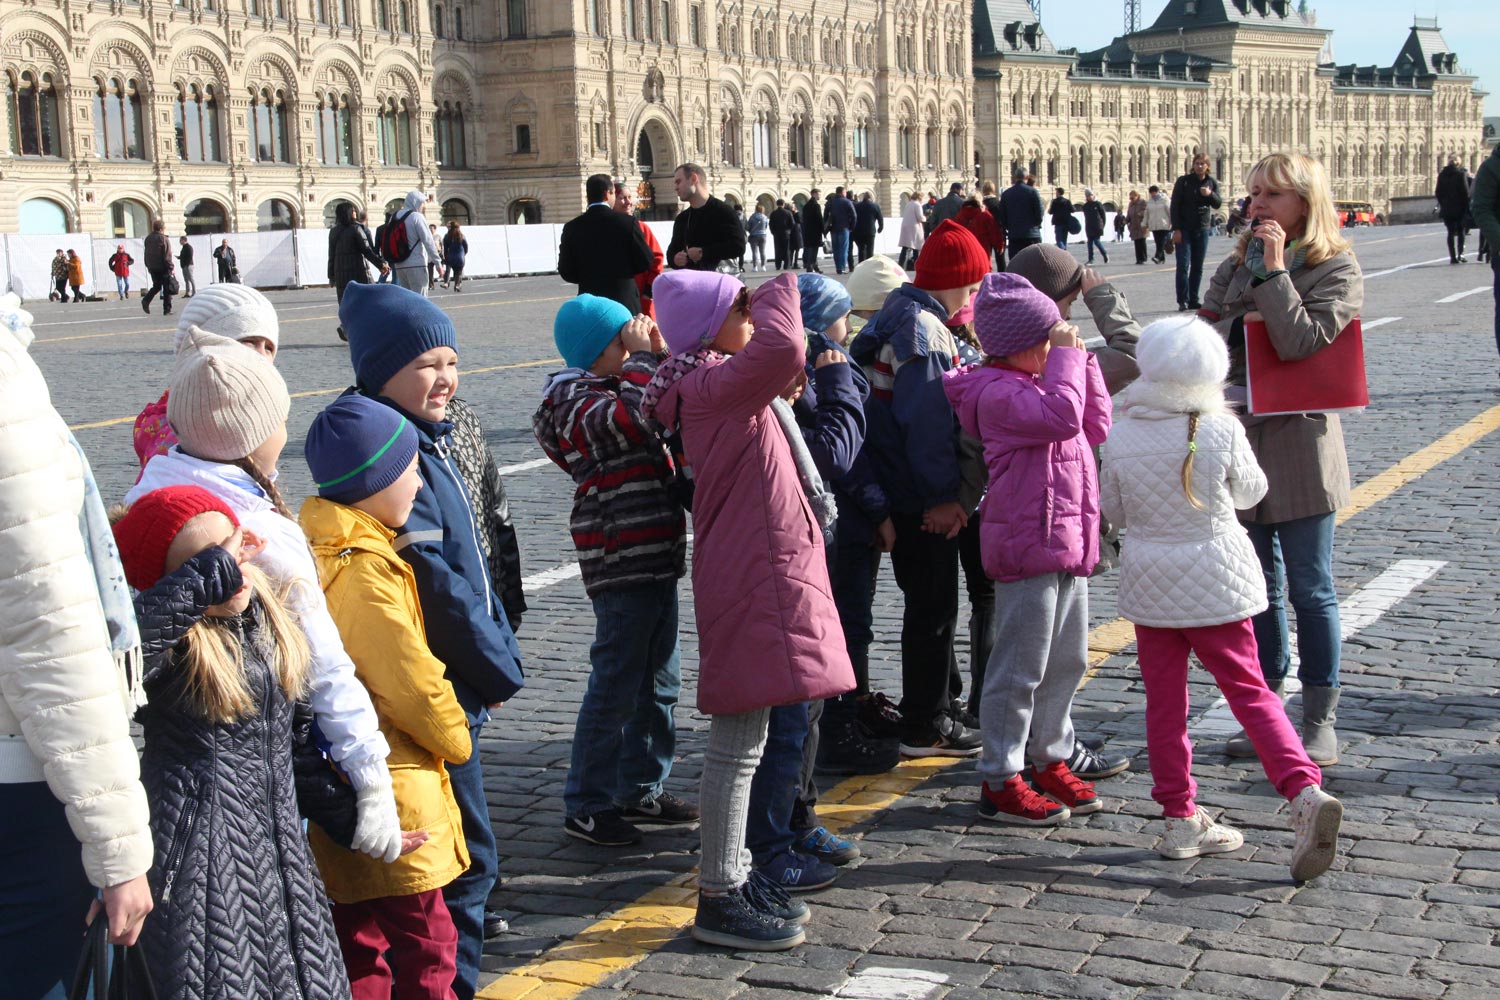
x=44 y=894
x=1190 y=254
x=77 y=293
x=926 y=566
x=810 y=256
x=159 y=283
x=1495 y=266
x=405 y=941
x=854 y=568
x=782 y=794
x=1015 y=244
x=864 y=247
x=982 y=621
x=1455 y=237
x=467 y=894
x=907 y=259
x=783 y=254
x=1097 y=243
x=1162 y=236
x=61 y=287
x=1140 y=249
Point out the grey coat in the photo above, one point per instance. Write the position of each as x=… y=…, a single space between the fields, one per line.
x=1111 y=312
x=1302 y=454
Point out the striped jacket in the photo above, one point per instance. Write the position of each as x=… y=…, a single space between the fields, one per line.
x=627 y=527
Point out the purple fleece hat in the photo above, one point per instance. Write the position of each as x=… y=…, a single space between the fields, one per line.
x=691 y=306
x=1010 y=315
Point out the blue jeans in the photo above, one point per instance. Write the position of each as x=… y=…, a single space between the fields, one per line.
x=44 y=894
x=1301 y=552
x=1096 y=243
x=1061 y=235
x=778 y=780
x=1190 y=254
x=625 y=737
x=122 y=285
x=467 y=895
x=841 y=249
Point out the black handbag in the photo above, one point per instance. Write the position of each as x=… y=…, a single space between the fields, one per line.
x=173 y=288
x=110 y=972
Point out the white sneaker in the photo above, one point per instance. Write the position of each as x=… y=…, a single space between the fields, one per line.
x=1316 y=816
x=1196 y=835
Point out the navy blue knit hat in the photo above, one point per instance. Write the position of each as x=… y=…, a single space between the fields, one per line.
x=388 y=326
x=357 y=447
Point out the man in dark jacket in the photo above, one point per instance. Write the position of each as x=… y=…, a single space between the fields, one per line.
x=185 y=258
x=1061 y=212
x=229 y=269
x=946 y=209
x=159 y=265
x=1485 y=204
x=782 y=222
x=601 y=251
x=842 y=218
x=812 y=232
x=1020 y=215
x=1093 y=224
x=706 y=233
x=1452 y=195
x=1194 y=199
x=868 y=221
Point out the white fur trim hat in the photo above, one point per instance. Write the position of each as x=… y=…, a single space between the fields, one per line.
x=1182 y=350
x=230 y=310
x=224 y=400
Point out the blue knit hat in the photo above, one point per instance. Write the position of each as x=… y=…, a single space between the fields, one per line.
x=824 y=301
x=357 y=447
x=584 y=327
x=388 y=326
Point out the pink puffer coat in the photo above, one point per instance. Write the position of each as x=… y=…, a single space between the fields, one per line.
x=768 y=629
x=1041 y=512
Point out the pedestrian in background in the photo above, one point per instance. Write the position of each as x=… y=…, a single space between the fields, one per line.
x=412 y=271
x=977 y=219
x=1021 y=214
x=707 y=234
x=1452 y=194
x=913 y=232
x=602 y=251
x=1159 y=222
x=1119 y=227
x=349 y=250
x=1061 y=213
x=1093 y=225
x=756 y=228
x=119 y=265
x=843 y=217
x=1486 y=208
x=229 y=269
x=158 y=254
x=75 y=275
x=869 y=222
x=1195 y=199
x=185 y=258
x=782 y=222
x=1135 y=219
x=59 y=276
x=812 y=232
x=455 y=254
x=645 y=279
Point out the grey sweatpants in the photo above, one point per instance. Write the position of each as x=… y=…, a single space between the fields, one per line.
x=1033 y=673
x=414 y=278
x=735 y=743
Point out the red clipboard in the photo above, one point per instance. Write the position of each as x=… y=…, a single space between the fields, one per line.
x=1331 y=381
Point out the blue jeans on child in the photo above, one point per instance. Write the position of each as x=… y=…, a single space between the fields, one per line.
x=467 y=895
x=625 y=737
x=1190 y=254
x=1301 y=553
x=777 y=784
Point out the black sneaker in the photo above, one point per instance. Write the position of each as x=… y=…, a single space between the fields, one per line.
x=733 y=921
x=606 y=828
x=848 y=749
x=879 y=715
x=494 y=924
x=946 y=737
x=665 y=808
x=1091 y=765
x=768 y=897
x=960 y=711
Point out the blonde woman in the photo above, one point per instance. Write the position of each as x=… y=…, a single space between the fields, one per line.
x=1293 y=270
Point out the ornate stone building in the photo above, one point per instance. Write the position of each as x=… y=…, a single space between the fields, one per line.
x=1233 y=78
x=264 y=114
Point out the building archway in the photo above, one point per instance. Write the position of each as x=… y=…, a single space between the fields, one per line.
x=129 y=219
x=456 y=210
x=524 y=212
x=655 y=160
x=205 y=217
x=331 y=211
x=43 y=217
x=274 y=216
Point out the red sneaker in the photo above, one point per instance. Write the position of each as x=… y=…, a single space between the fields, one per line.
x=1016 y=802
x=1066 y=787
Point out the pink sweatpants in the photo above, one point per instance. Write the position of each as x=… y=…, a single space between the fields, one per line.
x=1227 y=652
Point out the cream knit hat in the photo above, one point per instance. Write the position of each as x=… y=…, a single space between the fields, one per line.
x=230 y=310
x=873 y=280
x=224 y=400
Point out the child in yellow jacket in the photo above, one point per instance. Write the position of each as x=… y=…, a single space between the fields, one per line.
x=392 y=923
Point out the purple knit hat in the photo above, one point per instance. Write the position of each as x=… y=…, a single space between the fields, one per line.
x=691 y=306
x=1010 y=315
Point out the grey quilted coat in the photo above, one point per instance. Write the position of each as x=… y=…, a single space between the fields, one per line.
x=240 y=909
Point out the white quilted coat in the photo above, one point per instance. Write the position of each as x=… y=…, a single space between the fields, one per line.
x=1181 y=567
x=62 y=710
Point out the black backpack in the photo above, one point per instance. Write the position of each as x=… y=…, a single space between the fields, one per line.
x=391 y=238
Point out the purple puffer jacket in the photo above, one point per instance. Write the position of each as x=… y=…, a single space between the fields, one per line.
x=1041 y=512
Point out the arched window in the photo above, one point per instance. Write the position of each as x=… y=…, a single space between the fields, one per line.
x=119 y=130
x=456 y=210
x=524 y=212
x=275 y=216
x=955 y=146
x=335 y=131
x=383 y=14
x=331 y=211
x=861 y=136
x=205 y=216
x=268 y=126
x=515 y=18
x=832 y=136
x=449 y=125
x=905 y=143
x=31 y=99
x=129 y=219
x=404 y=10
x=344 y=13
x=195 y=116
x=394 y=133
x=320 y=11
x=43 y=217
x=797 y=140
x=729 y=137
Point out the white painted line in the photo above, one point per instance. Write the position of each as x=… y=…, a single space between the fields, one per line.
x=535 y=463
x=881 y=983
x=1404 y=267
x=1359 y=611
x=1382 y=321
x=550 y=577
x=1462 y=295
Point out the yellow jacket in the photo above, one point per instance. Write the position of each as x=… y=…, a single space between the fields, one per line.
x=372 y=596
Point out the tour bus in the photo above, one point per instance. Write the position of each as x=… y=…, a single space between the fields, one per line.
x=1355 y=213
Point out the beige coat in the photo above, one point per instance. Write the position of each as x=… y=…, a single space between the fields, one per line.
x=1135 y=217
x=1111 y=312
x=1302 y=454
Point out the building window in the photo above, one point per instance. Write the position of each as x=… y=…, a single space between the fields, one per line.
x=862 y=144
x=195 y=117
x=437 y=22
x=695 y=25
x=797 y=142
x=665 y=20
x=833 y=143
x=592 y=20
x=118 y=121
x=955 y=147
x=762 y=146
x=34 y=119
x=404 y=11
x=335 y=131
x=279 y=6
x=523 y=138
x=449 y=125
x=383 y=14
x=632 y=26
x=458 y=23
x=320 y=11
x=455 y=210
x=729 y=138
x=268 y=126
x=515 y=18
x=524 y=212
x=344 y=17
x=393 y=133
x=904 y=144
x=275 y=216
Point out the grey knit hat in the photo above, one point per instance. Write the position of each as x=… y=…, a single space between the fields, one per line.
x=1053 y=272
x=224 y=399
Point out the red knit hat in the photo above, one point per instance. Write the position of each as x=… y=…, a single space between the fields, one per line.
x=145 y=533
x=951 y=258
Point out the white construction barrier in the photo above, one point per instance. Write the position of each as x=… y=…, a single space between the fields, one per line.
x=30 y=262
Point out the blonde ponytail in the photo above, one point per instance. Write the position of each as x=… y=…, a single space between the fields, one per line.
x=1187 y=463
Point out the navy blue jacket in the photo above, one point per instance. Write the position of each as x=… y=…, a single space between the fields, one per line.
x=1021 y=213
x=871 y=220
x=841 y=214
x=466 y=625
x=861 y=501
x=913 y=435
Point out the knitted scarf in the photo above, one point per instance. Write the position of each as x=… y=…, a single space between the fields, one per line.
x=1255 y=256
x=818 y=498
x=671 y=371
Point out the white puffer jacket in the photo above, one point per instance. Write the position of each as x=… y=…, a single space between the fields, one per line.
x=62 y=709
x=1181 y=567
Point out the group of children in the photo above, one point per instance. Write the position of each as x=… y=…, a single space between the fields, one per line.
x=346 y=657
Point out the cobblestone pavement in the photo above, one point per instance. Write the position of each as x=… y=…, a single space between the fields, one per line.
x=944 y=905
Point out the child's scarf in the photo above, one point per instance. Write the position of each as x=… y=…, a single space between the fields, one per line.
x=819 y=499
x=671 y=371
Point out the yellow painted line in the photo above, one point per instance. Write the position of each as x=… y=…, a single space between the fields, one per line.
x=1419 y=463
x=328 y=392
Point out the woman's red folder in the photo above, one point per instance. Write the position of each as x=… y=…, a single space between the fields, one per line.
x=1331 y=381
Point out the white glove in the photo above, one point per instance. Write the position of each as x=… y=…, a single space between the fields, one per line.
x=377 y=828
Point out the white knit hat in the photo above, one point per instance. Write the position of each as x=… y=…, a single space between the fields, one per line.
x=224 y=400
x=874 y=279
x=230 y=310
x=1182 y=350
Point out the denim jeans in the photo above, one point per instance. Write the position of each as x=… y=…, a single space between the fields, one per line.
x=1096 y=244
x=777 y=784
x=122 y=285
x=625 y=737
x=1190 y=254
x=466 y=895
x=1060 y=234
x=1301 y=553
x=841 y=250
